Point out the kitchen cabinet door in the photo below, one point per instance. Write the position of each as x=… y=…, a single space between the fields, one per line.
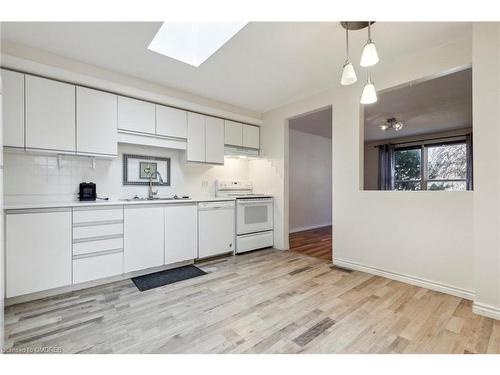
x=214 y=140
x=181 y=233
x=171 y=122
x=13 y=108
x=233 y=133
x=96 y=120
x=136 y=115
x=251 y=136
x=38 y=251
x=143 y=242
x=196 y=137
x=50 y=114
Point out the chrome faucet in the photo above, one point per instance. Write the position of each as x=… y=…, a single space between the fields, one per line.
x=151 y=193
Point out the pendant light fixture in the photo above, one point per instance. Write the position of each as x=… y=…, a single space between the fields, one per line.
x=370 y=55
x=348 y=72
x=369 y=95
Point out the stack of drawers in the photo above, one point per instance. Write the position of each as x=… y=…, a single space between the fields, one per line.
x=97 y=243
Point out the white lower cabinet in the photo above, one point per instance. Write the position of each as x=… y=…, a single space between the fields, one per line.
x=181 y=233
x=143 y=237
x=38 y=250
x=97 y=243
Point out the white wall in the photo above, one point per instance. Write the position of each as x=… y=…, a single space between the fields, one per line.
x=310 y=180
x=37 y=178
x=426 y=236
x=486 y=114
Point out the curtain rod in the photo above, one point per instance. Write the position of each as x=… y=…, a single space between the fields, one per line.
x=425 y=140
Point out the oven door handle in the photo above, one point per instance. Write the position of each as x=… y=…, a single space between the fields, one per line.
x=254 y=203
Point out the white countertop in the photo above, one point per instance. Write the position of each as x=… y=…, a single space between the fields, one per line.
x=118 y=202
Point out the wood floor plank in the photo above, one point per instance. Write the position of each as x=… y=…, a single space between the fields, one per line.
x=268 y=301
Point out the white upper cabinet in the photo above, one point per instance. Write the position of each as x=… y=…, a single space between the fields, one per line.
x=13 y=108
x=136 y=115
x=251 y=136
x=196 y=137
x=96 y=122
x=214 y=140
x=181 y=233
x=50 y=114
x=171 y=122
x=143 y=237
x=233 y=133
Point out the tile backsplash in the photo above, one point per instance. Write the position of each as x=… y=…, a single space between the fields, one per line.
x=31 y=178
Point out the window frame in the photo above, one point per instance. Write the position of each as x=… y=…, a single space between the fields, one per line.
x=424 y=157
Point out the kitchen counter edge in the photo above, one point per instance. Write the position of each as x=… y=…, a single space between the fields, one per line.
x=34 y=206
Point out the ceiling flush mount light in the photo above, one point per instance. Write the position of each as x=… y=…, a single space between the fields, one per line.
x=193 y=42
x=392 y=123
x=370 y=55
x=348 y=72
x=369 y=95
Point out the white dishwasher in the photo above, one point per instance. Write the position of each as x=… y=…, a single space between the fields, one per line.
x=215 y=228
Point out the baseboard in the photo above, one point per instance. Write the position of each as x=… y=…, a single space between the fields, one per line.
x=486 y=310
x=309 y=227
x=439 y=287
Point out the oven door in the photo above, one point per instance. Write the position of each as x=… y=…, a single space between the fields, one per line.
x=254 y=215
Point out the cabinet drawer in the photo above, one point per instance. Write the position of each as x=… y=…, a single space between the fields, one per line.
x=92 y=231
x=97 y=267
x=96 y=215
x=80 y=248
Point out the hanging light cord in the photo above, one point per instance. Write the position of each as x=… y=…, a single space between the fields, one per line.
x=347 y=43
x=369 y=32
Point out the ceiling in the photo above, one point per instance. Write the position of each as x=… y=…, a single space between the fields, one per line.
x=264 y=66
x=317 y=123
x=432 y=106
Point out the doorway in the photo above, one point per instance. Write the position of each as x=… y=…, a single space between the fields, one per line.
x=310 y=183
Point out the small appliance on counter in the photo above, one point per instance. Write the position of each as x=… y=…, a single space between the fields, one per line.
x=87 y=191
x=254 y=215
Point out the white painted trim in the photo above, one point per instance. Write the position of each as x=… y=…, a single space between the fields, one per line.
x=424 y=283
x=309 y=227
x=486 y=310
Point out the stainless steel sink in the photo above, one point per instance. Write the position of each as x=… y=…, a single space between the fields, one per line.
x=138 y=199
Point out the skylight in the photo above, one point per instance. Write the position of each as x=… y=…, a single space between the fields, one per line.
x=193 y=42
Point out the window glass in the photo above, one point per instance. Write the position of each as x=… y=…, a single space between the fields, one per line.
x=407 y=164
x=447 y=162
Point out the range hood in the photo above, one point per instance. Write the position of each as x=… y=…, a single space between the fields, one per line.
x=241 y=152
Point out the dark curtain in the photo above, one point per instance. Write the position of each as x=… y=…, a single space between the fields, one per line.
x=386 y=167
x=470 y=174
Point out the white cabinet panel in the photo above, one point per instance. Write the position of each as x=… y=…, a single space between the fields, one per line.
x=233 y=133
x=96 y=122
x=196 y=137
x=171 y=122
x=136 y=115
x=13 y=108
x=38 y=251
x=86 y=215
x=97 y=267
x=214 y=140
x=98 y=246
x=215 y=231
x=181 y=233
x=251 y=136
x=143 y=237
x=50 y=114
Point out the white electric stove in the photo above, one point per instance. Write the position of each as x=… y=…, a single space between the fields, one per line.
x=254 y=215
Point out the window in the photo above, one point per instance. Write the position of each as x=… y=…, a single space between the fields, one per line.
x=441 y=166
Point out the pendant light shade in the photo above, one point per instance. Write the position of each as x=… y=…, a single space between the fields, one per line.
x=370 y=55
x=348 y=74
x=369 y=95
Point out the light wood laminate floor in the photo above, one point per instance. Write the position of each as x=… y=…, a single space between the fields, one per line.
x=268 y=301
x=314 y=242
